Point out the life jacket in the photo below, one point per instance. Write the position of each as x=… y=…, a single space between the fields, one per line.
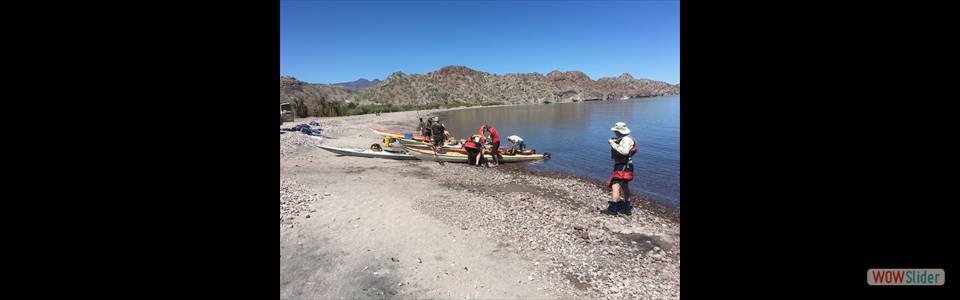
x=621 y=171
x=620 y=158
x=470 y=144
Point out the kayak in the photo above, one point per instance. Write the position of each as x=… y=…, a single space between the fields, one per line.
x=398 y=143
x=453 y=156
x=457 y=148
x=393 y=133
x=411 y=137
x=417 y=143
x=462 y=158
x=389 y=154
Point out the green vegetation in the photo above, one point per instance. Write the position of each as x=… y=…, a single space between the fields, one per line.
x=299 y=109
x=324 y=108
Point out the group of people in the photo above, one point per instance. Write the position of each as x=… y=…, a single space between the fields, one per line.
x=474 y=146
x=434 y=131
x=622 y=149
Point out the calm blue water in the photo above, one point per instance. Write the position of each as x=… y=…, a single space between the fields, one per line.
x=576 y=135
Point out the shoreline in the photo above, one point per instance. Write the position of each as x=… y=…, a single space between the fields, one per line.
x=662 y=209
x=366 y=227
x=435 y=110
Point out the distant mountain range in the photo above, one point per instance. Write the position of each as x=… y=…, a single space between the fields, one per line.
x=358 y=84
x=459 y=84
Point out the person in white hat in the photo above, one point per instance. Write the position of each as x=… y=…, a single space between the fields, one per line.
x=517 y=145
x=622 y=149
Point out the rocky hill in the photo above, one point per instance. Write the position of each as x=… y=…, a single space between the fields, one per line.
x=291 y=88
x=459 y=84
x=358 y=84
x=462 y=84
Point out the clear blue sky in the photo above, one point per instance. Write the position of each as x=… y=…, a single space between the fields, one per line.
x=337 y=41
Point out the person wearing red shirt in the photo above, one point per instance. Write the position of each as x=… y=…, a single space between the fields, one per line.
x=494 y=144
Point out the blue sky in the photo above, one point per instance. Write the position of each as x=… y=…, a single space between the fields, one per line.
x=337 y=41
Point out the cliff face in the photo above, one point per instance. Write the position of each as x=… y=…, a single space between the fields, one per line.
x=453 y=84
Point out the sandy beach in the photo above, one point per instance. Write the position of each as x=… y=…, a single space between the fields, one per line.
x=355 y=227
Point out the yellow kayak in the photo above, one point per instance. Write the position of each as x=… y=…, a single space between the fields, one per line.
x=454 y=156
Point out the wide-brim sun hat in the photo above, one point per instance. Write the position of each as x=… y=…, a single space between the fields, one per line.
x=621 y=127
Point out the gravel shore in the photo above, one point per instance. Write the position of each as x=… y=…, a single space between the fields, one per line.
x=499 y=233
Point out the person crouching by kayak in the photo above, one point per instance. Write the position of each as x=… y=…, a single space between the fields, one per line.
x=475 y=151
x=517 y=145
x=494 y=144
x=622 y=149
x=437 y=131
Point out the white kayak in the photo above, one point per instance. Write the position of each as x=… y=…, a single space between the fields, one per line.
x=389 y=154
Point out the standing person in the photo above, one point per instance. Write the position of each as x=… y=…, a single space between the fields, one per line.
x=422 y=128
x=517 y=145
x=494 y=144
x=426 y=128
x=483 y=137
x=437 y=131
x=622 y=149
